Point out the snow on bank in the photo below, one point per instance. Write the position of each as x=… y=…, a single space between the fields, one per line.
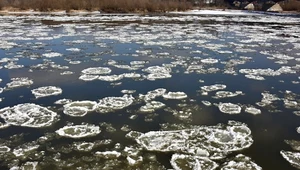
x=216 y=12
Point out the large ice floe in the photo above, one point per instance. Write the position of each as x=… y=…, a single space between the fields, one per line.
x=230 y=108
x=46 y=91
x=240 y=162
x=78 y=131
x=153 y=94
x=109 y=104
x=292 y=157
x=180 y=162
x=19 y=82
x=29 y=115
x=79 y=108
x=214 y=142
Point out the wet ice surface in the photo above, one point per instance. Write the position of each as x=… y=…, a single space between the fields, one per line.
x=166 y=83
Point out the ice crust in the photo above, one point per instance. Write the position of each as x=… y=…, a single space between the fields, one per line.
x=28 y=115
x=214 y=142
x=79 y=131
x=46 y=91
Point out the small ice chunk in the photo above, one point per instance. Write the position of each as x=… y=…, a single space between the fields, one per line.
x=63 y=101
x=175 y=95
x=230 y=108
x=128 y=91
x=46 y=91
x=181 y=162
x=73 y=49
x=206 y=103
x=253 y=110
x=79 y=131
x=28 y=115
x=96 y=70
x=292 y=157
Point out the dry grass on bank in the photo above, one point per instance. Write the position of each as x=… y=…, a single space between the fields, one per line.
x=290 y=5
x=102 y=5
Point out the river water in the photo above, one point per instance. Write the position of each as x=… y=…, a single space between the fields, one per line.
x=213 y=73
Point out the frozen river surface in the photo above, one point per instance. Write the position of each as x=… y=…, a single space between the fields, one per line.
x=174 y=91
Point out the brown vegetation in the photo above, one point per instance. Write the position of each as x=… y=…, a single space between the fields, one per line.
x=290 y=5
x=102 y=5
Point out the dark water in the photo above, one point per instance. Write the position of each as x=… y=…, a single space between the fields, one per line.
x=157 y=40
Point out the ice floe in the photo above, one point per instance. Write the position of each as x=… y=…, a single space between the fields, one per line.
x=109 y=104
x=252 y=110
x=226 y=94
x=180 y=162
x=214 y=87
x=292 y=157
x=111 y=78
x=153 y=94
x=52 y=54
x=88 y=77
x=46 y=91
x=240 y=162
x=78 y=131
x=152 y=106
x=29 y=115
x=214 y=142
x=229 y=108
x=96 y=70
x=175 y=95
x=79 y=108
x=19 y=82
x=108 y=154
